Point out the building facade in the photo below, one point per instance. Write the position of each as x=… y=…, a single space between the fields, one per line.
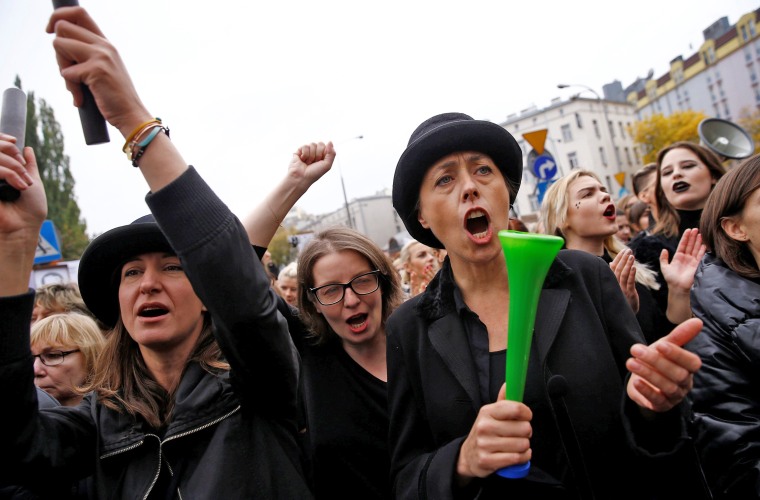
x=721 y=79
x=373 y=216
x=581 y=133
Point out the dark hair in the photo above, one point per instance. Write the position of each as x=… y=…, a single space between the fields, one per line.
x=641 y=175
x=727 y=200
x=333 y=240
x=636 y=211
x=517 y=225
x=667 y=216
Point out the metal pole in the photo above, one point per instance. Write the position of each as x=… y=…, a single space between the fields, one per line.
x=343 y=186
x=345 y=200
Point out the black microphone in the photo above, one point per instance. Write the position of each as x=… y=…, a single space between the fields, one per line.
x=93 y=124
x=13 y=122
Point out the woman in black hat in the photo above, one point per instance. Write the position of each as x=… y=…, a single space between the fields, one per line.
x=585 y=421
x=195 y=394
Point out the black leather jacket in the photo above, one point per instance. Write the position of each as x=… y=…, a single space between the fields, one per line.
x=233 y=434
x=726 y=395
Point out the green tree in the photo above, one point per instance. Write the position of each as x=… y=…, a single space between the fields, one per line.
x=657 y=131
x=280 y=248
x=43 y=134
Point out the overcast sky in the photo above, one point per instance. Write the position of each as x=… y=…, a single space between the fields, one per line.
x=242 y=84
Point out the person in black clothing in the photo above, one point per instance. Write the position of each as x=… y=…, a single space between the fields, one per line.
x=686 y=174
x=195 y=393
x=578 y=208
x=347 y=288
x=589 y=427
x=725 y=398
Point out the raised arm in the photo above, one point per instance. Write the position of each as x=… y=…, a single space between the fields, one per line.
x=308 y=164
x=679 y=274
x=20 y=221
x=210 y=241
x=85 y=56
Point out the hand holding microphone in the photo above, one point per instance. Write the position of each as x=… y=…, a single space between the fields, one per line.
x=13 y=122
x=93 y=124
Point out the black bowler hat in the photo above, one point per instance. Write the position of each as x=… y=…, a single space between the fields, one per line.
x=102 y=260
x=437 y=137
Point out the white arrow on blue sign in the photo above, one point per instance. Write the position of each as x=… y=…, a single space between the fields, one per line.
x=545 y=167
x=48 y=246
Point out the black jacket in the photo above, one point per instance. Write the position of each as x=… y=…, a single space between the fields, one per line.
x=726 y=395
x=232 y=435
x=588 y=438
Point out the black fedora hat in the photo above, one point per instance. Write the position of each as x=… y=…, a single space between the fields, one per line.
x=102 y=260
x=437 y=137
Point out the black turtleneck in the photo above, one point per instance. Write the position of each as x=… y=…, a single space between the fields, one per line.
x=688 y=219
x=647 y=251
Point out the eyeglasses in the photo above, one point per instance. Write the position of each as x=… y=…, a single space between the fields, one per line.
x=364 y=284
x=53 y=358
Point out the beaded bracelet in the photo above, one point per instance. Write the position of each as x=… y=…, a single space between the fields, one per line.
x=143 y=145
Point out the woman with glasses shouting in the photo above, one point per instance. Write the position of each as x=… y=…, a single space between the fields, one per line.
x=347 y=288
x=64 y=348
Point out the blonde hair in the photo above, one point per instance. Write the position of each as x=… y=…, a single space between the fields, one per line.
x=60 y=298
x=71 y=329
x=553 y=216
x=289 y=271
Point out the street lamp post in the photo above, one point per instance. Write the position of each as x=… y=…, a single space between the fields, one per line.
x=604 y=111
x=343 y=186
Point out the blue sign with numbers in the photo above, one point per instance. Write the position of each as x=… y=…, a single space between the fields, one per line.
x=48 y=246
x=545 y=167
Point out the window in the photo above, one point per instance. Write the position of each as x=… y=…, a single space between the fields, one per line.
x=567 y=135
x=627 y=156
x=611 y=126
x=578 y=121
x=622 y=130
x=745 y=33
x=617 y=155
x=596 y=128
x=602 y=156
x=572 y=159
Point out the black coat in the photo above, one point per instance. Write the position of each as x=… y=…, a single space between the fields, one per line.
x=726 y=395
x=588 y=440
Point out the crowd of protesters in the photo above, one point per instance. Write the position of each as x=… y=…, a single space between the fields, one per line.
x=186 y=364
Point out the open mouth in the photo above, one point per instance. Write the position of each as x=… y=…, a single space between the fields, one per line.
x=477 y=224
x=357 y=322
x=152 y=312
x=680 y=186
x=609 y=212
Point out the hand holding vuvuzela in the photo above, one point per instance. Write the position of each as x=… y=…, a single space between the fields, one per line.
x=528 y=258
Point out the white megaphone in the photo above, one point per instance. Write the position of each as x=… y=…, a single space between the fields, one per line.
x=725 y=138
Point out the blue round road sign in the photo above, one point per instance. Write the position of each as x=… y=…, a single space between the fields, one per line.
x=545 y=167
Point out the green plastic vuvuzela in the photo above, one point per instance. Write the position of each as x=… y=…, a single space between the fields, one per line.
x=528 y=258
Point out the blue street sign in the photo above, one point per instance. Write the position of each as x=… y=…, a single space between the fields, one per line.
x=48 y=246
x=545 y=167
x=541 y=187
